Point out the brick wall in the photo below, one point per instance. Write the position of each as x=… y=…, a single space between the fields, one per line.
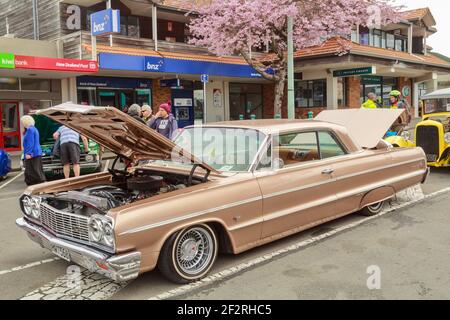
x=353 y=92
x=160 y=95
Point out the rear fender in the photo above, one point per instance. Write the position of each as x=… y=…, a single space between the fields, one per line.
x=377 y=195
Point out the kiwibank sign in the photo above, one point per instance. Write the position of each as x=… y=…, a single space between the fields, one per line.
x=105 y=22
x=7 y=61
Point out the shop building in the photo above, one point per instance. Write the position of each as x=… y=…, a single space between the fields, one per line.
x=150 y=62
x=32 y=77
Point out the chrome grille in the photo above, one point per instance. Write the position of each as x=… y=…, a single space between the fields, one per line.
x=65 y=224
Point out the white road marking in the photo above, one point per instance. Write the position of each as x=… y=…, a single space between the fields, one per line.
x=11 y=180
x=29 y=265
x=404 y=199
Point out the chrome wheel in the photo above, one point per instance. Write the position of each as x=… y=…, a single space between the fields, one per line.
x=375 y=208
x=194 y=250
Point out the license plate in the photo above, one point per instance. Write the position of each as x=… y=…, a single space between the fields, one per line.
x=57 y=171
x=63 y=253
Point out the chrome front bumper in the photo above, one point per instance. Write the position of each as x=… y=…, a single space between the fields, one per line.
x=119 y=268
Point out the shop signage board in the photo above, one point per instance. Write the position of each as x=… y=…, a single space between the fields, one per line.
x=41 y=63
x=105 y=82
x=355 y=72
x=73 y=65
x=113 y=61
x=7 y=60
x=105 y=22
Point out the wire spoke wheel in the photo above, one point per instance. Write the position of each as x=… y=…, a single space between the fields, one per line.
x=194 y=250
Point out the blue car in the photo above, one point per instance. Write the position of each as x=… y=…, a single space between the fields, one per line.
x=5 y=164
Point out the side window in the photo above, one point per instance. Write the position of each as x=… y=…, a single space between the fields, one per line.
x=329 y=146
x=295 y=148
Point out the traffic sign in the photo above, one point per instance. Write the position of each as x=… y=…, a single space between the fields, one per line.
x=205 y=78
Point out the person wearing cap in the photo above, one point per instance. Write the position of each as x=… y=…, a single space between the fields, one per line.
x=398 y=103
x=135 y=112
x=146 y=112
x=164 y=122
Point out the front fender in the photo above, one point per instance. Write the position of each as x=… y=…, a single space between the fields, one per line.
x=400 y=142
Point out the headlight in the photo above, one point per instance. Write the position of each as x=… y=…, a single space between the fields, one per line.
x=90 y=158
x=101 y=230
x=31 y=206
x=27 y=205
x=406 y=135
x=447 y=137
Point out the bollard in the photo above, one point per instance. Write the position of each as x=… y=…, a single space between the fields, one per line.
x=253 y=117
x=310 y=115
x=277 y=116
x=241 y=117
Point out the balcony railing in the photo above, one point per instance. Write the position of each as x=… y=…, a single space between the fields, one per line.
x=72 y=45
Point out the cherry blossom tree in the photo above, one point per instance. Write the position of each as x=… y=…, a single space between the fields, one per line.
x=229 y=27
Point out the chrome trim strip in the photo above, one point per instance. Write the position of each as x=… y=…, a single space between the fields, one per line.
x=337 y=197
x=257 y=157
x=312 y=185
x=191 y=215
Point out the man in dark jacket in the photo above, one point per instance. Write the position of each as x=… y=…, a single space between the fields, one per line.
x=164 y=122
x=135 y=112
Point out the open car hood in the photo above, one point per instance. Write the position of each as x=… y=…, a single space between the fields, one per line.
x=366 y=126
x=120 y=133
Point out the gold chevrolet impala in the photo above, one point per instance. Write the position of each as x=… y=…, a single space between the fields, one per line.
x=222 y=187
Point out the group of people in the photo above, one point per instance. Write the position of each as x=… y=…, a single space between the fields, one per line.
x=396 y=102
x=67 y=141
x=162 y=122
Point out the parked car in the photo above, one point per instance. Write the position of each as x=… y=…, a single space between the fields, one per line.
x=432 y=134
x=175 y=210
x=53 y=168
x=5 y=164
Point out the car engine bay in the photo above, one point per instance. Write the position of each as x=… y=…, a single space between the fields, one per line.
x=124 y=189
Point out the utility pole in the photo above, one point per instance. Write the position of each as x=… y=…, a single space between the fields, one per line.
x=290 y=68
x=108 y=6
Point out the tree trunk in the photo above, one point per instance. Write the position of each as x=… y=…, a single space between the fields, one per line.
x=279 y=93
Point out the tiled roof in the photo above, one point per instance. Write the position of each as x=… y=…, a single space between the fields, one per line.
x=416 y=13
x=333 y=47
x=173 y=55
x=182 y=4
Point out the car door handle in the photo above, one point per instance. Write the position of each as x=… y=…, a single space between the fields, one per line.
x=328 y=171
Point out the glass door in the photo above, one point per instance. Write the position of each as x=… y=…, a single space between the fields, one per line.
x=10 y=126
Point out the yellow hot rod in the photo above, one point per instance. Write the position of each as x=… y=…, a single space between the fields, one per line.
x=432 y=134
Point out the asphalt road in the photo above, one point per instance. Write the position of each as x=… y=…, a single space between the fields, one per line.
x=408 y=245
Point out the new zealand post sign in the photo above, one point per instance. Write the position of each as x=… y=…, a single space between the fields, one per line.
x=105 y=22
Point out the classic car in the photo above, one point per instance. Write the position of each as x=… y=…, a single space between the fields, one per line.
x=223 y=187
x=432 y=134
x=5 y=164
x=89 y=162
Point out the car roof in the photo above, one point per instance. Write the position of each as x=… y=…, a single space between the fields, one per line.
x=438 y=94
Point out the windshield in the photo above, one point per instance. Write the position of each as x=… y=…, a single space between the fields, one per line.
x=436 y=105
x=224 y=149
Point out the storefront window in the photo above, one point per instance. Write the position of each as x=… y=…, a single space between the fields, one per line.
x=32 y=84
x=9 y=128
x=9 y=84
x=389 y=84
x=245 y=101
x=32 y=105
x=312 y=93
x=86 y=96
